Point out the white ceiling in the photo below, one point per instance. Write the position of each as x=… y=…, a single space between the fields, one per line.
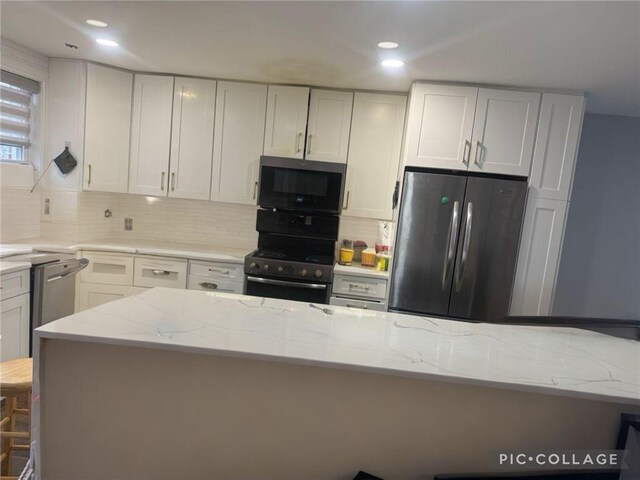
x=589 y=46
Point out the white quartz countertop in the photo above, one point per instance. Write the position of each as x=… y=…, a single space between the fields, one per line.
x=560 y=361
x=140 y=247
x=9 y=267
x=357 y=269
x=9 y=250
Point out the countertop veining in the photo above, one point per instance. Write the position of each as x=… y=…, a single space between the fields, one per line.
x=559 y=361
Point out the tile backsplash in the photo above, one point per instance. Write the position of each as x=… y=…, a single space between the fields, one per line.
x=80 y=216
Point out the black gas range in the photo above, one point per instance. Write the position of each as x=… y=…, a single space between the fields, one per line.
x=296 y=241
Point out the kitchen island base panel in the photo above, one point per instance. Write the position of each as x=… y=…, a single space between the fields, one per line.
x=109 y=411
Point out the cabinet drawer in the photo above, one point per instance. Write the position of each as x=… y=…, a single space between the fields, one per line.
x=91 y=295
x=160 y=272
x=198 y=282
x=359 y=304
x=354 y=286
x=216 y=270
x=14 y=284
x=108 y=268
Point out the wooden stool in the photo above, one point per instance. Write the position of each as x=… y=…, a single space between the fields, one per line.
x=15 y=385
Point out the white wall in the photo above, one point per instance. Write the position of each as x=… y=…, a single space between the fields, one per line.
x=599 y=272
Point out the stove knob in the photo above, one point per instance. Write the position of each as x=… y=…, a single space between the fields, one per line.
x=280 y=269
x=318 y=273
x=303 y=272
x=265 y=266
x=253 y=265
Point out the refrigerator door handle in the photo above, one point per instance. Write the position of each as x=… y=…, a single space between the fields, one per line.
x=465 y=246
x=451 y=251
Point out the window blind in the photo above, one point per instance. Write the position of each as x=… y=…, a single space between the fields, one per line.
x=15 y=103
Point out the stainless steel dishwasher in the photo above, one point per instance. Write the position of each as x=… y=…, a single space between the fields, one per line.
x=53 y=286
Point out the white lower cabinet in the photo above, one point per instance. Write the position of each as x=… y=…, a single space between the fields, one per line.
x=14 y=327
x=93 y=294
x=216 y=277
x=539 y=257
x=160 y=272
x=359 y=291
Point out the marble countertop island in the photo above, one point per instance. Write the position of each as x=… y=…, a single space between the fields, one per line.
x=557 y=361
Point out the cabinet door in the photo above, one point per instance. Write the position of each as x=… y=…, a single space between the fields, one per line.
x=93 y=294
x=286 y=121
x=194 y=103
x=374 y=154
x=556 y=146
x=440 y=125
x=329 y=125
x=150 y=134
x=14 y=328
x=504 y=131
x=107 y=129
x=238 y=141
x=539 y=257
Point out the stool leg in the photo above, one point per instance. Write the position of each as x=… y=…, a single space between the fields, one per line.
x=7 y=442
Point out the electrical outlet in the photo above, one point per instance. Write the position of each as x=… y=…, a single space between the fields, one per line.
x=47 y=206
x=128 y=223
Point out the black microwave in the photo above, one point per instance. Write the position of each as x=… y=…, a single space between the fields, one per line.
x=301 y=185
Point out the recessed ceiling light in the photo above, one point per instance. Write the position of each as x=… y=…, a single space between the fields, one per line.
x=388 y=45
x=106 y=42
x=96 y=23
x=392 y=63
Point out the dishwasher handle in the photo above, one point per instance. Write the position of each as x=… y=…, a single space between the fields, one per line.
x=78 y=265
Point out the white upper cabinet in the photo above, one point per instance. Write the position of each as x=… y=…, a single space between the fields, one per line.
x=374 y=154
x=150 y=134
x=329 y=125
x=440 y=126
x=107 y=129
x=238 y=141
x=286 y=121
x=194 y=103
x=504 y=131
x=556 y=146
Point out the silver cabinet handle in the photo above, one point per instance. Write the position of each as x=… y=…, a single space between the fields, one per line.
x=162 y=182
x=361 y=287
x=270 y=281
x=466 y=153
x=478 y=161
x=465 y=246
x=451 y=251
x=209 y=285
x=161 y=272
x=89 y=181
x=361 y=307
x=347 y=202
x=298 y=142
x=255 y=189
x=173 y=181
x=309 y=143
x=219 y=270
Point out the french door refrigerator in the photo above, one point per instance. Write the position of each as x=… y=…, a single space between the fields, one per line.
x=456 y=245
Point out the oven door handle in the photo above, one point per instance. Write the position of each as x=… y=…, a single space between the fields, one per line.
x=283 y=283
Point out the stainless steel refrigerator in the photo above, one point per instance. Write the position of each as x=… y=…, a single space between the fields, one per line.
x=457 y=244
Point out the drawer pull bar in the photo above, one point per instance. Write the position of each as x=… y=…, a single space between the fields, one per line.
x=219 y=270
x=162 y=272
x=362 y=307
x=209 y=285
x=362 y=287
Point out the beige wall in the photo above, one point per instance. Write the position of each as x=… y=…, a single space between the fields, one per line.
x=112 y=412
x=19 y=214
